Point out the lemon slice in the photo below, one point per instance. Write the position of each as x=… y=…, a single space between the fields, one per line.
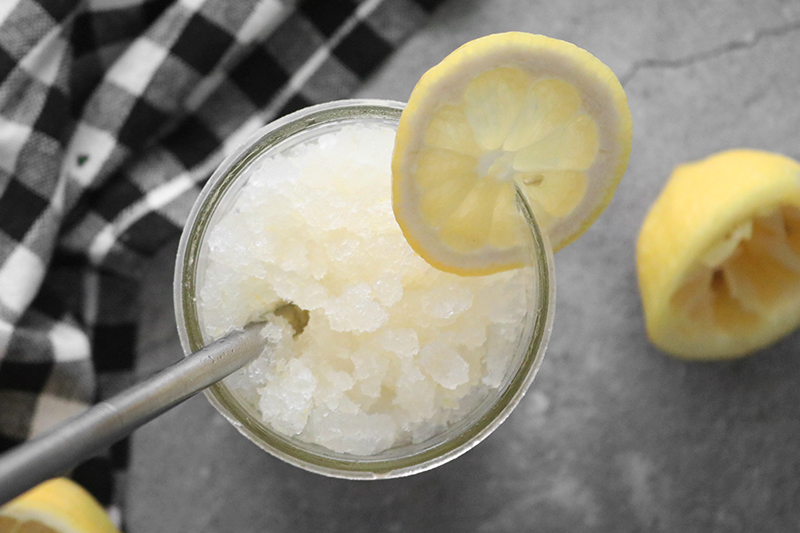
x=507 y=112
x=719 y=256
x=55 y=506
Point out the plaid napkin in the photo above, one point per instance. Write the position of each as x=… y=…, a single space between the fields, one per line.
x=113 y=113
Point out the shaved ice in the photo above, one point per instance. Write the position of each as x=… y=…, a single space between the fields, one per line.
x=394 y=350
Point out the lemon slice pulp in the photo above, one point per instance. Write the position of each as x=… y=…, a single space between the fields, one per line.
x=55 y=506
x=505 y=113
x=719 y=256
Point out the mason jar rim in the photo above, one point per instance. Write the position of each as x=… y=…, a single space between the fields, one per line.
x=321 y=461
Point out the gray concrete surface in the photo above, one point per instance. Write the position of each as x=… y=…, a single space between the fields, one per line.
x=613 y=436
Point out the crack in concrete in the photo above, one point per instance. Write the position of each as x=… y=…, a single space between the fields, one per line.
x=750 y=42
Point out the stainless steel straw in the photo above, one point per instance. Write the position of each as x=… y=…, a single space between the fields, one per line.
x=56 y=451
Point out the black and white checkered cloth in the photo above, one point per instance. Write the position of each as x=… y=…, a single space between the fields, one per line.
x=113 y=113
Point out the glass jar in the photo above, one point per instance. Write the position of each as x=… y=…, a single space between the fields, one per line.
x=403 y=460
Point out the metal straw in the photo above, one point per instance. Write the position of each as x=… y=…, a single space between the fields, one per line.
x=66 y=445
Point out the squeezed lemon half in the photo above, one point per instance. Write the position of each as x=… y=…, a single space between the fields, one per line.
x=55 y=506
x=718 y=256
x=504 y=113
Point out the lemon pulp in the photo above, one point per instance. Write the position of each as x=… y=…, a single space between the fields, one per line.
x=541 y=140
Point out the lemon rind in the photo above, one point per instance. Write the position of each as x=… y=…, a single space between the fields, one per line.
x=63 y=505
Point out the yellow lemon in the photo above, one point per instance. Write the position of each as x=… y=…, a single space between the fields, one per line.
x=719 y=256
x=55 y=506
x=505 y=113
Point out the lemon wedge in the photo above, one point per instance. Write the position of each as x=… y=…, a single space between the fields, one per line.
x=55 y=506
x=718 y=256
x=505 y=113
